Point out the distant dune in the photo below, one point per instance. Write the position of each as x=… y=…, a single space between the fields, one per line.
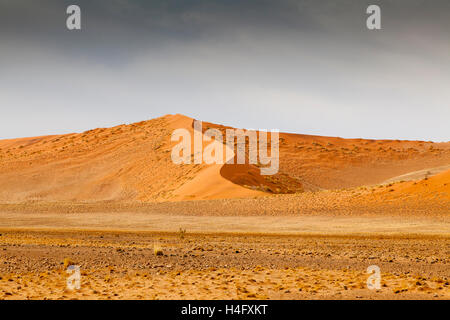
x=132 y=162
x=434 y=188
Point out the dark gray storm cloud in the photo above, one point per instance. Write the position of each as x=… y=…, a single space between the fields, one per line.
x=296 y=65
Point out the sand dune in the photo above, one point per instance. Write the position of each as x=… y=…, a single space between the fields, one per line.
x=418 y=175
x=208 y=183
x=132 y=162
x=319 y=162
x=436 y=187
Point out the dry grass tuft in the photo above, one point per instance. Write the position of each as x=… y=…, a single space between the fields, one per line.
x=67 y=262
x=157 y=250
x=182 y=233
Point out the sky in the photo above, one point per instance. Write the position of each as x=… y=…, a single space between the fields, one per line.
x=302 y=66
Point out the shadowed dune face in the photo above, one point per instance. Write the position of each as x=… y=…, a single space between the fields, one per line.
x=133 y=162
x=249 y=176
x=314 y=162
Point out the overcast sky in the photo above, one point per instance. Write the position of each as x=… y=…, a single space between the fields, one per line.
x=303 y=66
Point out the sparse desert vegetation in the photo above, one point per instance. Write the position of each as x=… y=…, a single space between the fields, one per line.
x=214 y=266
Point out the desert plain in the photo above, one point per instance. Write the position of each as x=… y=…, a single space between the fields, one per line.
x=111 y=201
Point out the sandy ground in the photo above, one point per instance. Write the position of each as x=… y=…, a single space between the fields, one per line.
x=122 y=265
x=303 y=225
x=282 y=247
x=314 y=245
x=310 y=256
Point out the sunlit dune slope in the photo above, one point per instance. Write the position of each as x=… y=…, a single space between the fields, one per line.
x=133 y=162
x=126 y=162
x=436 y=187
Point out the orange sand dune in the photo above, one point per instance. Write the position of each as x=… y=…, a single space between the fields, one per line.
x=436 y=187
x=318 y=162
x=133 y=162
x=126 y=162
x=208 y=182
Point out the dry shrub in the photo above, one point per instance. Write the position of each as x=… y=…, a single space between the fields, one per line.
x=67 y=262
x=157 y=250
